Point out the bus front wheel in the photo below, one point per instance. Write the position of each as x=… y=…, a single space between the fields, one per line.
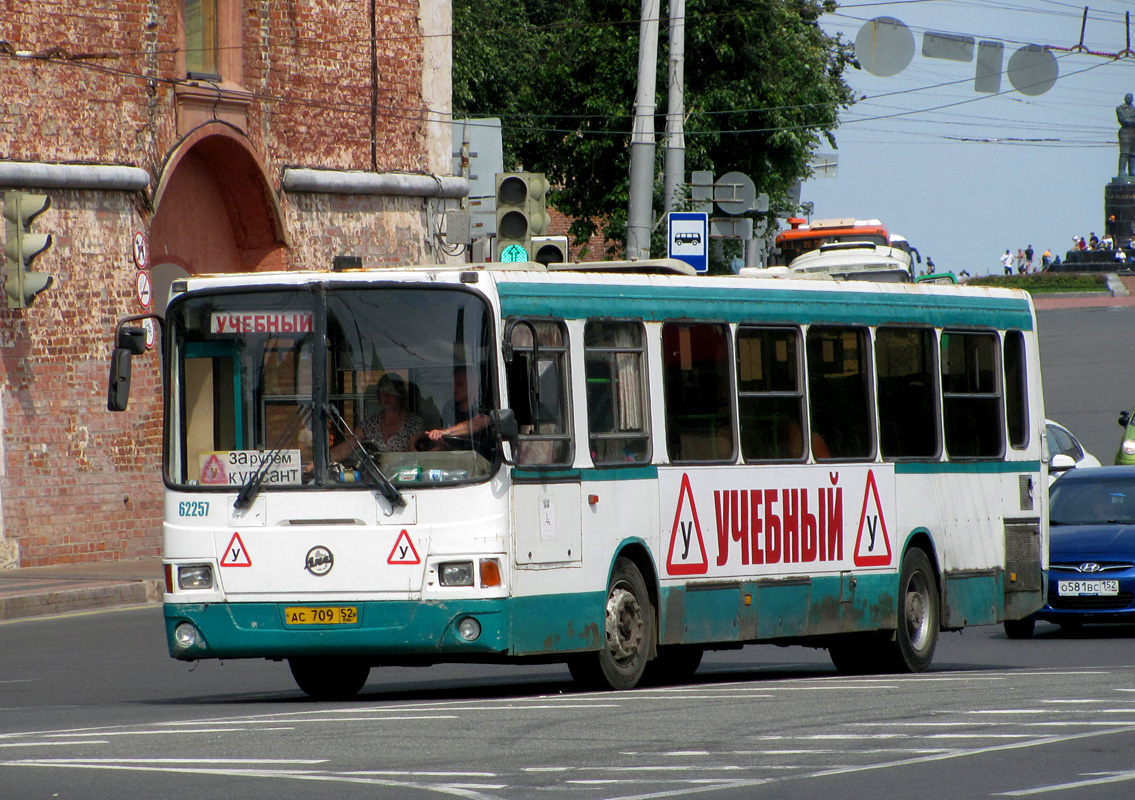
x=329 y=678
x=628 y=634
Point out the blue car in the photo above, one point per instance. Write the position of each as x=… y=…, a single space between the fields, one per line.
x=1091 y=552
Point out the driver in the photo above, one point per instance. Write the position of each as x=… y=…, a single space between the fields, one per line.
x=469 y=418
x=392 y=429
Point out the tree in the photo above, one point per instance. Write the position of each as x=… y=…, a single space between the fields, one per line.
x=763 y=88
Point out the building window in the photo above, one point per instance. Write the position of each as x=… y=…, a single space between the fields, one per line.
x=202 y=39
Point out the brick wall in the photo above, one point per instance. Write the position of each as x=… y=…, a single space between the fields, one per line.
x=79 y=483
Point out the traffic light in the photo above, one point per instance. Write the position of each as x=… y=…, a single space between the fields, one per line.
x=521 y=213
x=21 y=247
x=550 y=249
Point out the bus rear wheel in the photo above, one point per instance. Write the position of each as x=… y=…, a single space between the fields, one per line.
x=329 y=678
x=911 y=648
x=917 y=634
x=628 y=634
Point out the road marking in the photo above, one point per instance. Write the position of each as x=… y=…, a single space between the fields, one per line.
x=1118 y=777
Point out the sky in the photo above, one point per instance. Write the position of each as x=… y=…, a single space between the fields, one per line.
x=966 y=175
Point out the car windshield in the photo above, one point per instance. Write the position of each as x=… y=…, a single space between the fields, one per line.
x=1087 y=502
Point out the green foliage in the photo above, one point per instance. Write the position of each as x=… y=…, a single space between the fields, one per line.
x=763 y=86
x=1046 y=282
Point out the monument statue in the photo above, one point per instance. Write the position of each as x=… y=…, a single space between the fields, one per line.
x=1126 y=116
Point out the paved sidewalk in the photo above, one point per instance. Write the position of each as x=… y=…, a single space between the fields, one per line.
x=42 y=591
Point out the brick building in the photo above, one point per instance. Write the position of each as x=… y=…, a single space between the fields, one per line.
x=223 y=136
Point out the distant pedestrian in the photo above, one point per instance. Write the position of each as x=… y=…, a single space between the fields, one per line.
x=1007 y=262
x=1046 y=259
x=1020 y=259
x=929 y=265
x=1029 y=258
x=1093 y=241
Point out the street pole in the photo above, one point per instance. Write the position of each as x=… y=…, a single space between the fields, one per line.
x=674 y=151
x=640 y=213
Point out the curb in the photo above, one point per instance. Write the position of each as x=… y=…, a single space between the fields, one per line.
x=44 y=601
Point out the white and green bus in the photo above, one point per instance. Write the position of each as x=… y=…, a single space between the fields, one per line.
x=614 y=466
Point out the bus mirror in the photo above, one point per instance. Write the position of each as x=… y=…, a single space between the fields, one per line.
x=505 y=423
x=118 y=395
x=507 y=432
x=132 y=340
x=1124 y=417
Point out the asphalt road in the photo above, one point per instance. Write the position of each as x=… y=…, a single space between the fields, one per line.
x=91 y=707
x=1088 y=361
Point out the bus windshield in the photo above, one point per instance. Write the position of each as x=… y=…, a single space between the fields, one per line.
x=402 y=385
x=791 y=249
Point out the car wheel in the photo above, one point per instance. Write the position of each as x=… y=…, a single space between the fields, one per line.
x=1020 y=628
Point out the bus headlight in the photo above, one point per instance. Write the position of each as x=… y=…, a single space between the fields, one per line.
x=455 y=573
x=1129 y=447
x=198 y=576
x=186 y=635
x=469 y=629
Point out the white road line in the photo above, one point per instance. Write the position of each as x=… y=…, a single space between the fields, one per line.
x=299 y=775
x=1046 y=740
x=52 y=744
x=1118 y=777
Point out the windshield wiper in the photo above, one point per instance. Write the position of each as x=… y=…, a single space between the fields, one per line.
x=252 y=486
x=385 y=487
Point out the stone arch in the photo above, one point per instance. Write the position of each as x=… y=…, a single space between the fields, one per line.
x=215 y=210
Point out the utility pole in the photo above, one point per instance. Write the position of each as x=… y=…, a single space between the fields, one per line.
x=674 y=151
x=640 y=214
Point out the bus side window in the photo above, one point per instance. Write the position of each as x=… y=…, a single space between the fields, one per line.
x=908 y=393
x=839 y=392
x=541 y=392
x=697 y=391
x=770 y=394
x=1016 y=389
x=971 y=395
x=617 y=407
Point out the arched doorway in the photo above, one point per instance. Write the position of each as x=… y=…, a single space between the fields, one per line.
x=215 y=209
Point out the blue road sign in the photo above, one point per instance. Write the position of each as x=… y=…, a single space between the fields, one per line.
x=687 y=238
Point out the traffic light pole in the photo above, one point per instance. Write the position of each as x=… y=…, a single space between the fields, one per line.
x=641 y=179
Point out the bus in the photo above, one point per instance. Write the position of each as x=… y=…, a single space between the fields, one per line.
x=803 y=236
x=613 y=466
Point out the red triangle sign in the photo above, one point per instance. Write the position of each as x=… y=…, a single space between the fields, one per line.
x=236 y=555
x=872 y=552
x=683 y=559
x=404 y=551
